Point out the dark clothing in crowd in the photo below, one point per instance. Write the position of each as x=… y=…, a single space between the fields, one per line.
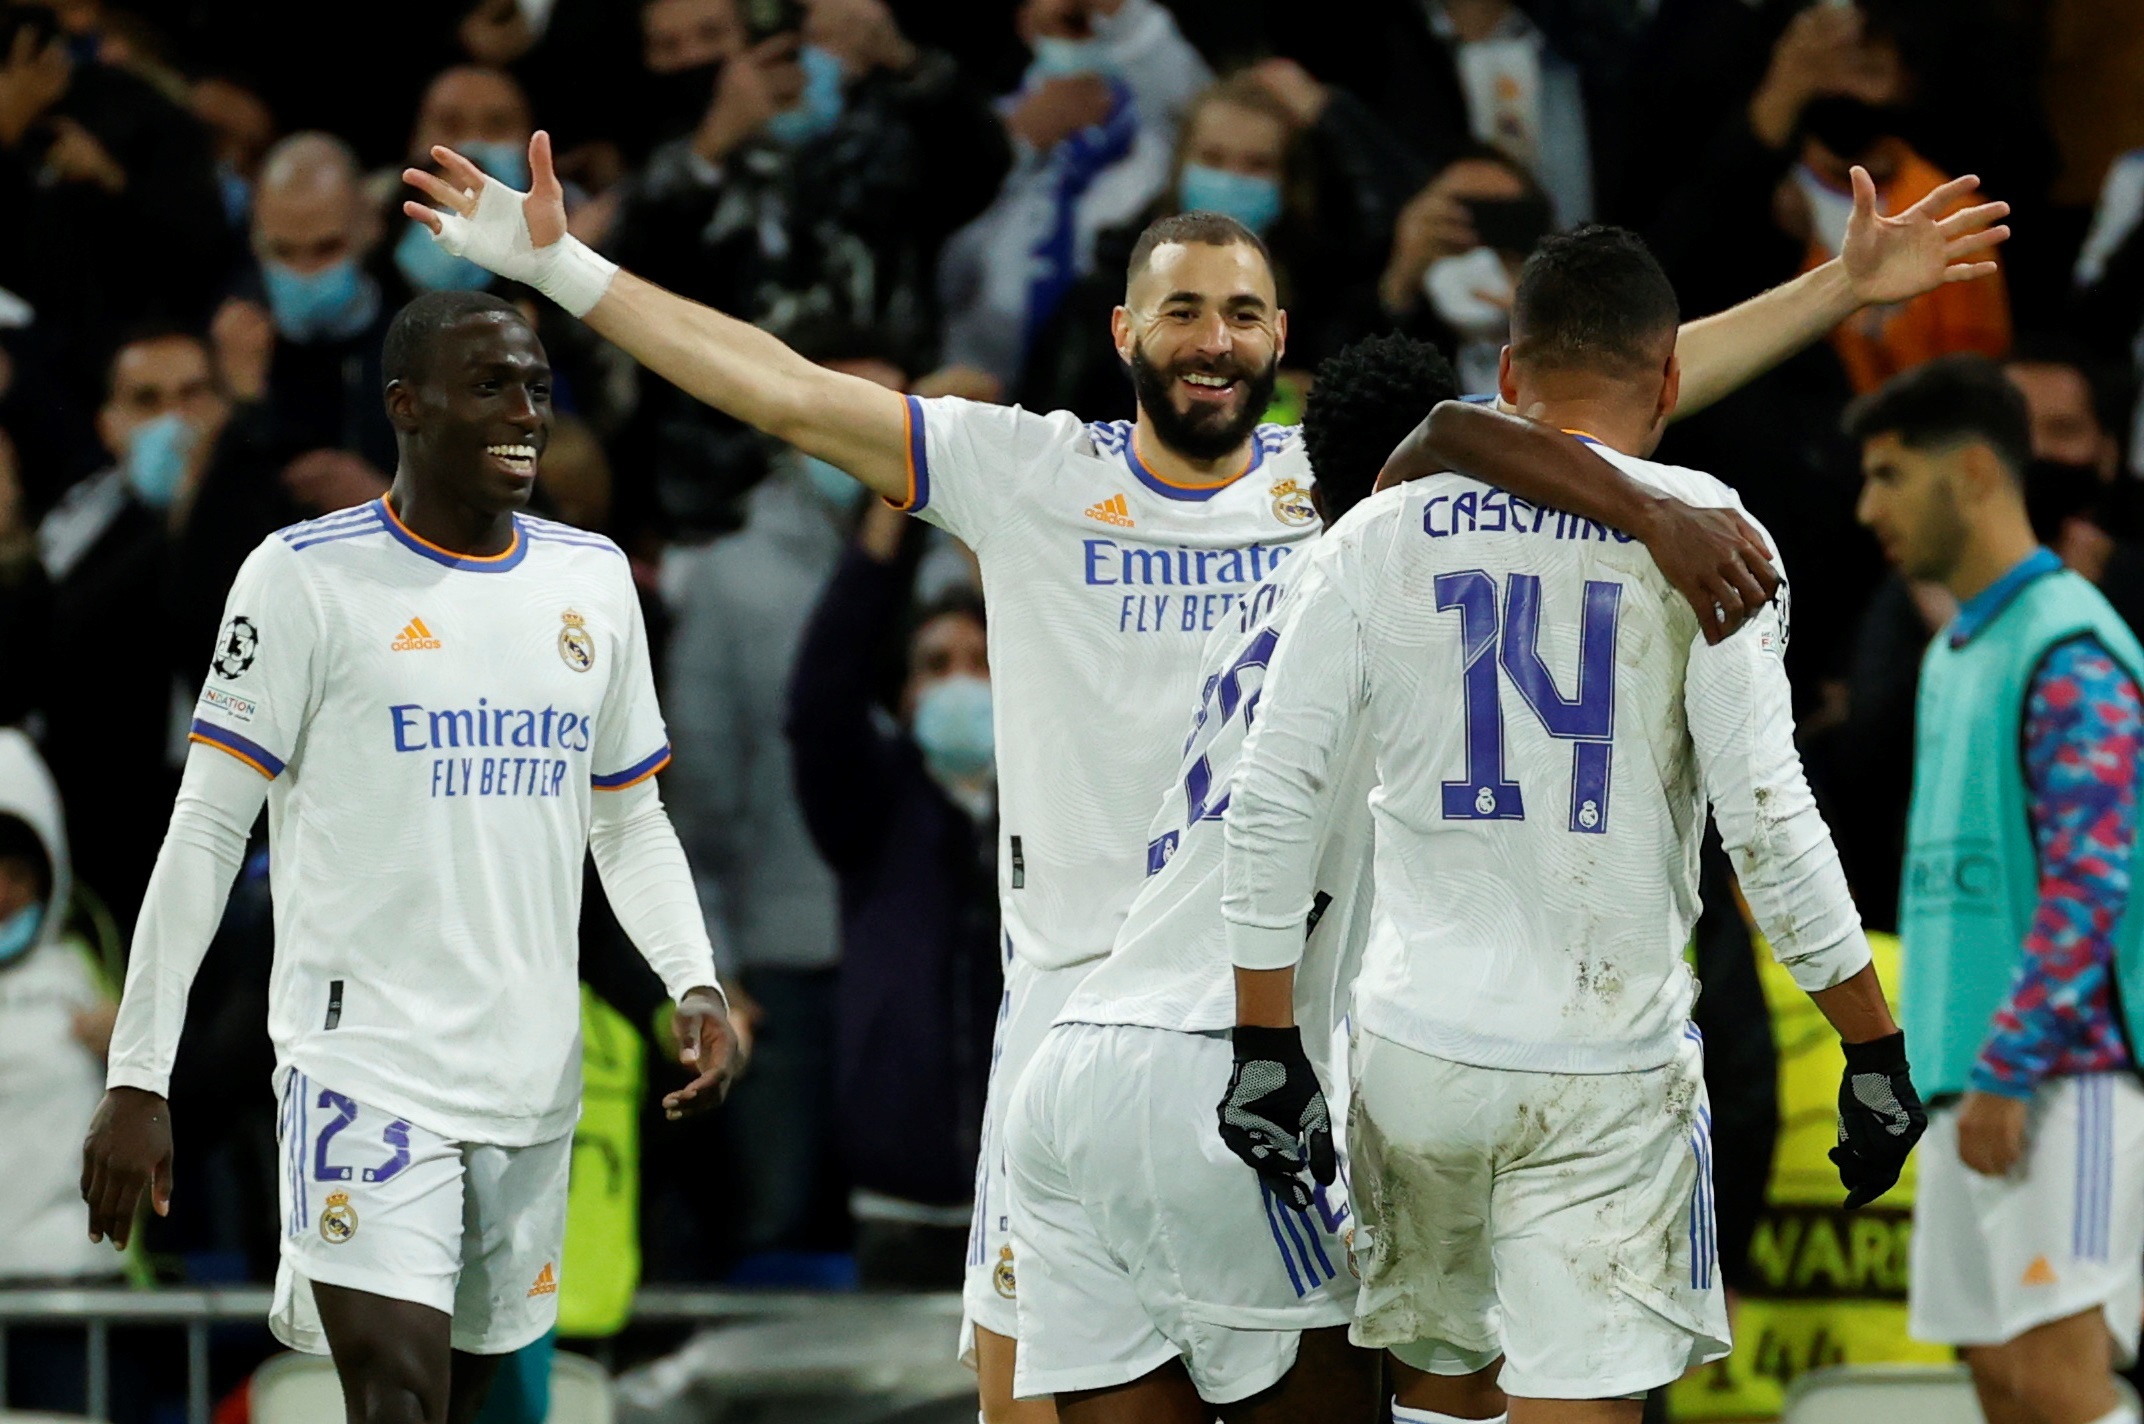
x=916 y=1001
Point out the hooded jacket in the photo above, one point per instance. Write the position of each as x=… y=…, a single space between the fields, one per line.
x=49 y=1082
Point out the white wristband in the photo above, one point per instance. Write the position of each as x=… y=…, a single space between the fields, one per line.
x=577 y=276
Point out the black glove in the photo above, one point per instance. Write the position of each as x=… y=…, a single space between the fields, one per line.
x=1274 y=1116
x=1880 y=1118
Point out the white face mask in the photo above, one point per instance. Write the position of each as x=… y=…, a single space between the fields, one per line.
x=1455 y=288
x=1829 y=209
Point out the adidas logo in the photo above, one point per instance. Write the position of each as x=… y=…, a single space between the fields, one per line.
x=2039 y=1273
x=546 y=1282
x=1113 y=510
x=414 y=638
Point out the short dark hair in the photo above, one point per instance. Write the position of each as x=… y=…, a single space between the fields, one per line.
x=1592 y=299
x=1365 y=400
x=957 y=600
x=2112 y=387
x=416 y=328
x=1948 y=401
x=146 y=334
x=1210 y=229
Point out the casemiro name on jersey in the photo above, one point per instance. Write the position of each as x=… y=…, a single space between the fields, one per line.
x=1108 y=563
x=419 y=729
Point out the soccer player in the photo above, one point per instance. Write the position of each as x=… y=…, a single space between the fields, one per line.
x=1108 y=551
x=2020 y=941
x=446 y=705
x=1527 y=1125
x=1159 y=1274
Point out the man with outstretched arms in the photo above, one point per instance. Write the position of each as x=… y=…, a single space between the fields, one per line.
x=1109 y=551
x=446 y=705
x=1528 y=1147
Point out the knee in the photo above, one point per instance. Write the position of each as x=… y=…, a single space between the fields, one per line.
x=391 y=1402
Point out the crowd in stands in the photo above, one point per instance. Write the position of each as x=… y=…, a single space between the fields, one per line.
x=201 y=246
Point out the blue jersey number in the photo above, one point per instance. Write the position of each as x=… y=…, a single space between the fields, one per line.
x=1226 y=696
x=1586 y=718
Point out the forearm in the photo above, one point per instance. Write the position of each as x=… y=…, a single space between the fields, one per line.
x=1265 y=998
x=1725 y=351
x=650 y=887
x=219 y=799
x=1855 y=1007
x=744 y=372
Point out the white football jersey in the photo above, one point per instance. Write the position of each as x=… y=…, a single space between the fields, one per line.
x=1549 y=724
x=1103 y=582
x=1170 y=968
x=433 y=726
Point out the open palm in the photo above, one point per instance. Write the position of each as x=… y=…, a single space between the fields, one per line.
x=1894 y=259
x=459 y=186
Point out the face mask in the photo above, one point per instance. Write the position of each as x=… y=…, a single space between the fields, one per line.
x=19 y=931
x=1848 y=127
x=1453 y=285
x=817 y=111
x=431 y=268
x=953 y=726
x=1254 y=202
x=1829 y=210
x=334 y=302
x=1057 y=57
x=507 y=162
x=831 y=483
x=674 y=103
x=157 y=454
x=2057 y=491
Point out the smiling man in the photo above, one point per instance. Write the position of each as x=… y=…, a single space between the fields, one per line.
x=446 y=704
x=1109 y=550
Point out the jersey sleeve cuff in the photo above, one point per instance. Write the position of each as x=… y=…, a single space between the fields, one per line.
x=633 y=775
x=1832 y=965
x=918 y=459
x=250 y=752
x=1256 y=947
x=128 y=1075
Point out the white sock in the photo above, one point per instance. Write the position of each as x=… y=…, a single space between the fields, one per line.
x=2122 y=1414
x=1401 y=1414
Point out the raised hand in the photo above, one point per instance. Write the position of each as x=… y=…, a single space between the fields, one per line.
x=1894 y=259
x=520 y=236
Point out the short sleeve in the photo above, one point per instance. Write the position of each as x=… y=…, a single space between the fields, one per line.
x=631 y=742
x=263 y=675
x=967 y=460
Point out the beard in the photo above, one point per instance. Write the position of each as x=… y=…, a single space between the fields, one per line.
x=1203 y=433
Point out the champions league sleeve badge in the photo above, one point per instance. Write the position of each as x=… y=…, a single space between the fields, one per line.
x=576 y=648
x=236 y=646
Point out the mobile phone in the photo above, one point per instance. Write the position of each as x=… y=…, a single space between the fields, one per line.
x=764 y=19
x=1509 y=224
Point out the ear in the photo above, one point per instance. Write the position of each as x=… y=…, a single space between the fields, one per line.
x=1670 y=389
x=1120 y=332
x=1280 y=334
x=1982 y=476
x=402 y=407
x=1507 y=385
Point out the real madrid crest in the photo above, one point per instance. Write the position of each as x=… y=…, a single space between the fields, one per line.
x=1291 y=504
x=1002 y=1276
x=338 y=1221
x=575 y=645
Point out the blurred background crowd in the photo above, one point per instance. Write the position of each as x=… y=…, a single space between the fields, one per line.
x=201 y=248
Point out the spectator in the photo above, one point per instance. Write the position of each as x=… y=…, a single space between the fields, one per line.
x=1451 y=76
x=1093 y=126
x=794 y=206
x=573 y=57
x=241 y=131
x=738 y=613
x=309 y=432
x=104 y=554
x=2081 y=507
x=1446 y=279
x=2108 y=310
x=483 y=115
x=112 y=211
x=1302 y=164
x=55 y=1023
x=905 y=812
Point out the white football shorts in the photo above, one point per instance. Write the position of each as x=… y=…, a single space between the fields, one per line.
x=376 y=1203
x=2063 y=1232
x=1563 y=1220
x=1028 y=1007
x=1141 y=1238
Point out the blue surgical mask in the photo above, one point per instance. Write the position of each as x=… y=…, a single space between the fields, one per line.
x=157 y=455
x=831 y=483
x=428 y=267
x=507 y=162
x=335 y=302
x=1254 y=202
x=19 y=931
x=953 y=726
x=1057 y=57
x=820 y=107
